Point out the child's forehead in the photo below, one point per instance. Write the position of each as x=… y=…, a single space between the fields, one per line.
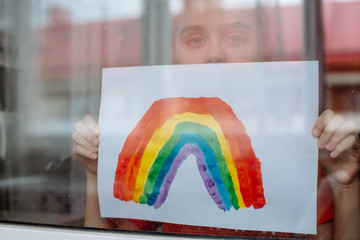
x=216 y=18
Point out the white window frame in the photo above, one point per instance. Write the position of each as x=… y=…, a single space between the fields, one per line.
x=21 y=232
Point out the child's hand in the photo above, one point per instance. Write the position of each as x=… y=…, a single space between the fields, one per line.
x=86 y=142
x=338 y=141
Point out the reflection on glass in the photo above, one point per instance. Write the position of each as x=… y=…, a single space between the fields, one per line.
x=52 y=53
x=51 y=60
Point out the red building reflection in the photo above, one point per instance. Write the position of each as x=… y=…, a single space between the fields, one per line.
x=64 y=47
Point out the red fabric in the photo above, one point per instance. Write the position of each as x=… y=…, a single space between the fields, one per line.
x=145 y=225
x=325 y=201
x=186 y=229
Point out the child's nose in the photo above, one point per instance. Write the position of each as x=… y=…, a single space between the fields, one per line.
x=215 y=52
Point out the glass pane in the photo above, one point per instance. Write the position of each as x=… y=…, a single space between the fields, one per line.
x=52 y=53
x=341 y=48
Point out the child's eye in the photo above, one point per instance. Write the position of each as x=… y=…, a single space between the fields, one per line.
x=235 y=40
x=196 y=42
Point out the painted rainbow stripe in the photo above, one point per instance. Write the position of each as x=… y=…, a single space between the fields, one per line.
x=170 y=131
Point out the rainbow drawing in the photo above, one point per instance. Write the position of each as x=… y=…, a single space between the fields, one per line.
x=170 y=131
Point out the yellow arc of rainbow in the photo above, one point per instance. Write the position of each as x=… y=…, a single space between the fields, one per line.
x=163 y=134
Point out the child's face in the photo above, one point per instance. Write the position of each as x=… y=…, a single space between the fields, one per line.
x=206 y=33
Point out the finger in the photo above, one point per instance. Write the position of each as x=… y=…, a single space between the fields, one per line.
x=321 y=123
x=78 y=139
x=81 y=152
x=345 y=144
x=86 y=133
x=91 y=124
x=346 y=129
x=332 y=126
x=88 y=164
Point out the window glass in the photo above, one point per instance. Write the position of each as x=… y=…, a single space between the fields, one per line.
x=52 y=53
x=342 y=57
x=52 y=56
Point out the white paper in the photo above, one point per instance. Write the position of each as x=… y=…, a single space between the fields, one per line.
x=276 y=101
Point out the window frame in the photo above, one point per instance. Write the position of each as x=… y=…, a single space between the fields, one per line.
x=26 y=231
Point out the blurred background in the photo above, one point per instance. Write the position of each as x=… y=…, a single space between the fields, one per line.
x=52 y=53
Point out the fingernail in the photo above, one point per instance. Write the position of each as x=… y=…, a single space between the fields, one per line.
x=333 y=154
x=95 y=142
x=321 y=144
x=316 y=132
x=329 y=146
x=97 y=132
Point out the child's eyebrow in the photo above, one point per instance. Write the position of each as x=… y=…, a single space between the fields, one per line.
x=237 y=24
x=195 y=28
